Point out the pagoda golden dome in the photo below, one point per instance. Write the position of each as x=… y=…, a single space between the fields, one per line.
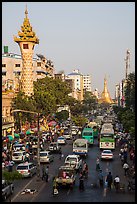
x=105 y=96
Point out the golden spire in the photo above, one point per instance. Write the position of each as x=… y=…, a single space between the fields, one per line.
x=26 y=12
x=27 y=35
x=105 y=96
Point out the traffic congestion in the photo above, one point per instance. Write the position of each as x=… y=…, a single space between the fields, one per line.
x=97 y=157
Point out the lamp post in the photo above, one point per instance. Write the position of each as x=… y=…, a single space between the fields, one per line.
x=38 y=145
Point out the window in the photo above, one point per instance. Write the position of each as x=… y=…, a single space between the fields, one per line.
x=17 y=65
x=38 y=64
x=25 y=46
x=3 y=65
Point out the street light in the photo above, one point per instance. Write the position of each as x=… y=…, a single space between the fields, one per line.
x=38 y=145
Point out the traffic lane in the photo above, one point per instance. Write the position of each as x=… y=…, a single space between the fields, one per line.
x=90 y=194
x=20 y=185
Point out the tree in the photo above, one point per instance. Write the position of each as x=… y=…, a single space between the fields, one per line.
x=89 y=102
x=130 y=91
x=11 y=176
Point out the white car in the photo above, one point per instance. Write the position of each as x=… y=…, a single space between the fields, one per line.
x=74 y=161
x=106 y=154
x=61 y=140
x=27 y=169
x=18 y=156
x=46 y=157
x=67 y=134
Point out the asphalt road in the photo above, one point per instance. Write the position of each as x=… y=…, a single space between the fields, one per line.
x=90 y=194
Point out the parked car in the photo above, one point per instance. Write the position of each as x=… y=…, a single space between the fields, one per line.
x=106 y=154
x=7 y=189
x=74 y=161
x=27 y=169
x=46 y=156
x=18 y=156
x=61 y=140
x=54 y=147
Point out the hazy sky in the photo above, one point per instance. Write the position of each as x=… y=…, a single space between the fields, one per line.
x=90 y=36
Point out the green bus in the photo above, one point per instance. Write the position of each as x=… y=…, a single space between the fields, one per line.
x=87 y=134
x=107 y=139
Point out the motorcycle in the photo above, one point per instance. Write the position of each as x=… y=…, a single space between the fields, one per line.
x=131 y=186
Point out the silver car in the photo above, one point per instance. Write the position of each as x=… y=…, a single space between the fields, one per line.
x=27 y=169
x=7 y=189
x=46 y=156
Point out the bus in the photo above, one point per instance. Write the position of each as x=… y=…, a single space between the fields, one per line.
x=87 y=133
x=107 y=139
x=95 y=128
x=80 y=147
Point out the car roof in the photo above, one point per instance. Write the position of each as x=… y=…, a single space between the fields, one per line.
x=53 y=143
x=107 y=150
x=25 y=164
x=45 y=151
x=18 y=151
x=73 y=155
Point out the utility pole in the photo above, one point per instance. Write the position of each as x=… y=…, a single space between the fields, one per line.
x=38 y=150
x=127 y=60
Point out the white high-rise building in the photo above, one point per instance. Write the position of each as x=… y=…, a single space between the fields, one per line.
x=87 y=82
x=78 y=83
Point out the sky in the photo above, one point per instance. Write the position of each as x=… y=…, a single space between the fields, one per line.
x=90 y=36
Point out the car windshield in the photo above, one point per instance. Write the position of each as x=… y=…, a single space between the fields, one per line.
x=42 y=154
x=69 y=159
x=79 y=144
x=107 y=151
x=22 y=167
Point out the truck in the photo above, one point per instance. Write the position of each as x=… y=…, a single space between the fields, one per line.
x=66 y=176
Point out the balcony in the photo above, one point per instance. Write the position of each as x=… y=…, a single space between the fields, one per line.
x=7 y=120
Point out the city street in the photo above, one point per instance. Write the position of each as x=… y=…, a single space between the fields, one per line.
x=90 y=194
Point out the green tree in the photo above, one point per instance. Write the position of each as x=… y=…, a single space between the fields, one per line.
x=10 y=177
x=89 y=102
x=130 y=91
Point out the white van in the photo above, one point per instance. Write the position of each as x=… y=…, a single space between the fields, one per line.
x=80 y=147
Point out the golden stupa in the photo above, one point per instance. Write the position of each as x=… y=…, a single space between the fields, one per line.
x=26 y=34
x=105 y=96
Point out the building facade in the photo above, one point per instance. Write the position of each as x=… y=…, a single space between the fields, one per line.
x=87 y=82
x=78 y=84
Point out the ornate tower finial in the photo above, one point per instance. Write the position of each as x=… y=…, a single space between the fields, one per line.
x=26 y=12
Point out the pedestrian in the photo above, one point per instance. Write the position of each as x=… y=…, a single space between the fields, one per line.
x=125 y=167
x=81 y=182
x=10 y=166
x=47 y=173
x=117 y=183
x=61 y=155
x=100 y=176
x=97 y=164
x=85 y=170
x=109 y=180
x=55 y=189
x=43 y=172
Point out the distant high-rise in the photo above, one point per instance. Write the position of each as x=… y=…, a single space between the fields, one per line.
x=27 y=40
